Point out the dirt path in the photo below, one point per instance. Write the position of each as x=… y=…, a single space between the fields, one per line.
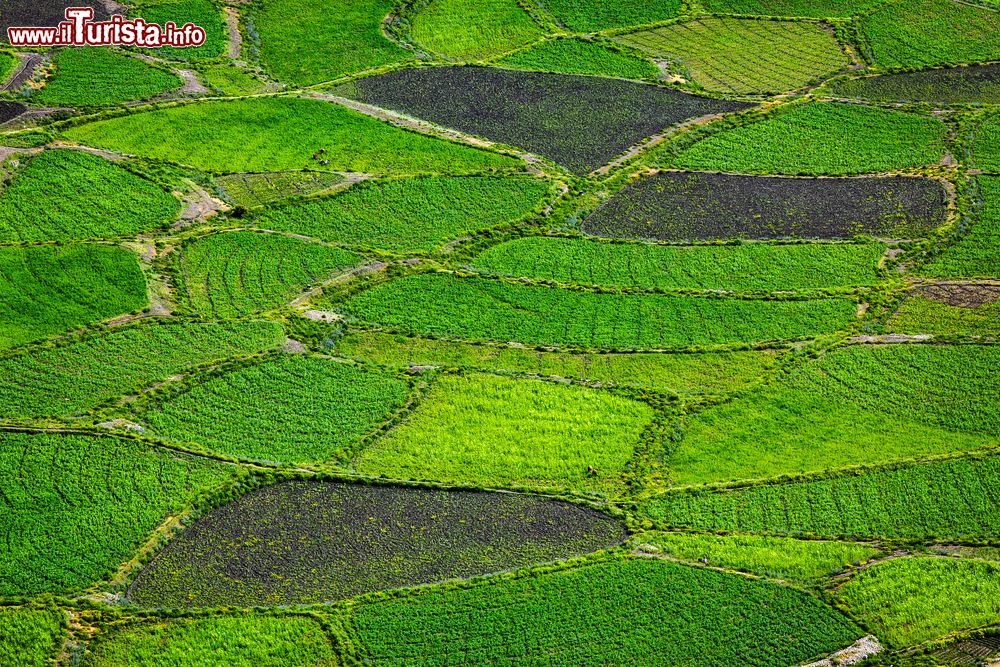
x=856 y=652
x=654 y=140
x=199 y=206
x=235 y=48
x=192 y=84
x=891 y=338
x=27 y=64
x=301 y=300
x=107 y=155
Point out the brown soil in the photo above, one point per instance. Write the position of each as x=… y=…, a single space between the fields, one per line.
x=962 y=295
x=235 y=38
x=854 y=653
x=27 y=64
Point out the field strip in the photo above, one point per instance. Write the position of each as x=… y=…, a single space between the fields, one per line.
x=654 y=140
x=856 y=652
x=374 y=267
x=235 y=47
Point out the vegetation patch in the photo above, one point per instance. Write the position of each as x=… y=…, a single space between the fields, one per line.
x=578 y=122
x=977 y=253
x=916 y=33
x=254 y=190
x=98 y=76
x=745 y=56
x=753 y=266
x=305 y=42
x=202 y=13
x=911 y=600
x=973 y=84
x=567 y=436
x=709 y=372
x=676 y=206
x=411 y=215
x=11 y=110
x=216 y=641
x=281 y=133
x=482 y=309
x=473 y=29
x=595 y=15
x=63 y=195
x=957 y=499
x=580 y=56
x=228 y=79
x=30 y=637
x=80 y=505
x=614 y=612
x=310 y=542
x=288 y=408
x=821 y=138
x=776 y=557
x=856 y=405
x=86 y=373
x=240 y=273
x=45 y=290
x=986 y=148
x=964 y=310
x=808 y=8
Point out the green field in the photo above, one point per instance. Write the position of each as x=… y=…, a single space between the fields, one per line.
x=973 y=84
x=204 y=13
x=594 y=15
x=579 y=56
x=306 y=42
x=681 y=373
x=257 y=190
x=93 y=369
x=80 y=505
x=223 y=79
x=614 y=612
x=919 y=315
x=239 y=273
x=69 y=195
x=473 y=29
x=911 y=600
x=410 y=215
x=811 y=8
x=480 y=309
x=856 y=405
x=289 y=408
x=776 y=557
x=986 y=148
x=46 y=290
x=462 y=433
x=94 y=76
x=977 y=253
x=750 y=266
x=227 y=137
x=744 y=56
x=821 y=138
x=30 y=637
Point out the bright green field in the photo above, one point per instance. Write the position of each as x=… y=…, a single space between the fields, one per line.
x=594 y=15
x=63 y=195
x=204 y=13
x=821 y=138
x=977 y=253
x=288 y=408
x=481 y=309
x=919 y=315
x=578 y=56
x=811 y=8
x=496 y=431
x=473 y=29
x=239 y=273
x=226 y=79
x=986 y=149
x=682 y=373
x=411 y=215
x=45 y=290
x=911 y=600
x=80 y=505
x=93 y=76
x=617 y=612
x=30 y=637
x=274 y=134
x=306 y=42
x=217 y=641
x=775 y=557
x=856 y=405
x=750 y=266
x=7 y=64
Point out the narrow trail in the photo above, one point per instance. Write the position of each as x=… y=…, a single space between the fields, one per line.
x=235 y=48
x=856 y=652
x=28 y=63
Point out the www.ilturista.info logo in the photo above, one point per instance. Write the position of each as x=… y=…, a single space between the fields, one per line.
x=79 y=30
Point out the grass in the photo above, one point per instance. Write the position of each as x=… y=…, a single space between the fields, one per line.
x=257 y=190
x=305 y=42
x=226 y=79
x=8 y=62
x=239 y=273
x=91 y=370
x=776 y=557
x=237 y=640
x=749 y=266
x=93 y=76
x=63 y=195
x=595 y=15
x=919 y=315
x=822 y=138
x=745 y=56
x=275 y=134
x=337 y=540
x=411 y=215
x=485 y=310
x=615 y=612
x=916 y=33
x=80 y=505
x=809 y=8
x=203 y=13
x=972 y=84
x=30 y=637
x=856 y=405
x=46 y=290
x=468 y=30
x=911 y=600
x=977 y=252
x=288 y=408
x=580 y=56
x=680 y=373
x=986 y=148
x=496 y=431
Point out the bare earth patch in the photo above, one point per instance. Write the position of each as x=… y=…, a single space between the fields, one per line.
x=854 y=653
x=962 y=295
